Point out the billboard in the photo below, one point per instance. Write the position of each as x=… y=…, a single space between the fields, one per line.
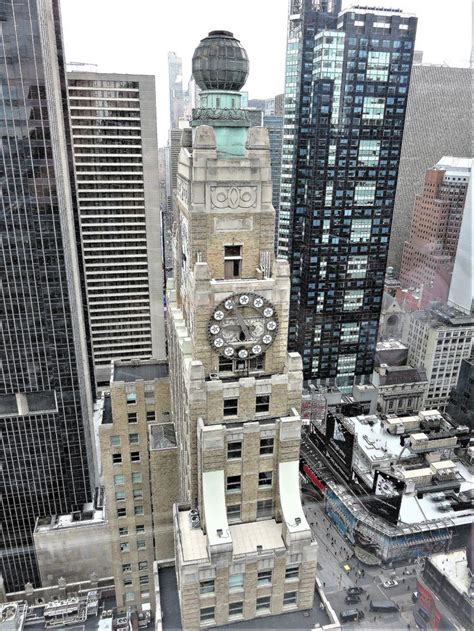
x=339 y=445
x=386 y=497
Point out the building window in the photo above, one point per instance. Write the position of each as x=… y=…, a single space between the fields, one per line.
x=116 y=458
x=132 y=417
x=131 y=398
x=264 y=577
x=257 y=363
x=119 y=479
x=143 y=580
x=292 y=572
x=141 y=544
x=121 y=512
x=289 y=598
x=262 y=403
x=236 y=609
x=136 y=478
x=139 y=510
x=236 y=581
x=123 y=532
x=126 y=567
x=231 y=407
x=353 y=299
x=129 y=596
x=361 y=230
x=266 y=446
x=150 y=416
x=233 y=513
x=140 y=529
x=138 y=494
x=127 y=582
x=265 y=478
x=135 y=456
x=125 y=547
x=225 y=364
x=264 y=508
x=133 y=439
x=206 y=587
x=207 y=614
x=115 y=441
x=263 y=604
x=144 y=594
x=234 y=450
x=142 y=565
x=233 y=482
x=232 y=261
x=119 y=496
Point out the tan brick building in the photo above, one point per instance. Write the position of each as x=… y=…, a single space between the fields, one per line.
x=139 y=460
x=242 y=543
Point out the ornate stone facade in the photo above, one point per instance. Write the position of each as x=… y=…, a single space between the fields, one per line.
x=243 y=547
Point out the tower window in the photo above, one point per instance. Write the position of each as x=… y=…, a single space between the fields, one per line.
x=232 y=261
x=231 y=407
x=262 y=403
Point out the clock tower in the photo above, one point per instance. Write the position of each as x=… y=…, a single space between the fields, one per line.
x=243 y=545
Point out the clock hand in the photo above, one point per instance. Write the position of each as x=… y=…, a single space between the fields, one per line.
x=243 y=326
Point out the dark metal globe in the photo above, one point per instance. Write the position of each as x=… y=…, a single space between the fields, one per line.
x=220 y=62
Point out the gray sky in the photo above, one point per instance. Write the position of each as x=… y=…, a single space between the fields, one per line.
x=125 y=36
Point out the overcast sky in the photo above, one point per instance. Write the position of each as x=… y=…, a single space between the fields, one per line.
x=135 y=37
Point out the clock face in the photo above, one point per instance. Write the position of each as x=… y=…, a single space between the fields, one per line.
x=243 y=325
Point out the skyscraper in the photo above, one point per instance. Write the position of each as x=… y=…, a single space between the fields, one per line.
x=438 y=114
x=175 y=88
x=45 y=383
x=243 y=545
x=274 y=124
x=428 y=255
x=113 y=119
x=345 y=101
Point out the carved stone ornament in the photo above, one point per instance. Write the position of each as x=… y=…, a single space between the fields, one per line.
x=225 y=113
x=233 y=196
x=182 y=190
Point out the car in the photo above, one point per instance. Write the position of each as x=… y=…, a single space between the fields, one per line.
x=355 y=590
x=351 y=599
x=408 y=572
x=346 y=568
x=389 y=583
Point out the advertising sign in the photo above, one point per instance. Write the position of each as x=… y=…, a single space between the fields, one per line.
x=386 y=497
x=340 y=445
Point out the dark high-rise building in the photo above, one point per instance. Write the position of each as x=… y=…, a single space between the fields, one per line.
x=439 y=110
x=274 y=124
x=176 y=94
x=45 y=384
x=345 y=100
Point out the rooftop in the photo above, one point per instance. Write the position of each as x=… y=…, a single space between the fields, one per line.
x=386 y=345
x=442 y=316
x=454 y=567
x=146 y=370
x=455 y=166
x=395 y=375
x=88 y=516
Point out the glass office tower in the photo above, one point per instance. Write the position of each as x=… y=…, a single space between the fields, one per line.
x=347 y=81
x=45 y=387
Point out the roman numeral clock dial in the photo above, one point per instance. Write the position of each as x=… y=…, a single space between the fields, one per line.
x=243 y=325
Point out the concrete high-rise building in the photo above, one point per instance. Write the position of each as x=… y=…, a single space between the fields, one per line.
x=428 y=255
x=439 y=339
x=345 y=99
x=243 y=546
x=175 y=88
x=460 y=407
x=46 y=389
x=114 y=137
x=274 y=124
x=438 y=114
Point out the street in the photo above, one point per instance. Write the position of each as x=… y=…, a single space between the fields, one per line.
x=334 y=552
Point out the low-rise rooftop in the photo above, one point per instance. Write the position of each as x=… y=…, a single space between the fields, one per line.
x=146 y=370
x=455 y=568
